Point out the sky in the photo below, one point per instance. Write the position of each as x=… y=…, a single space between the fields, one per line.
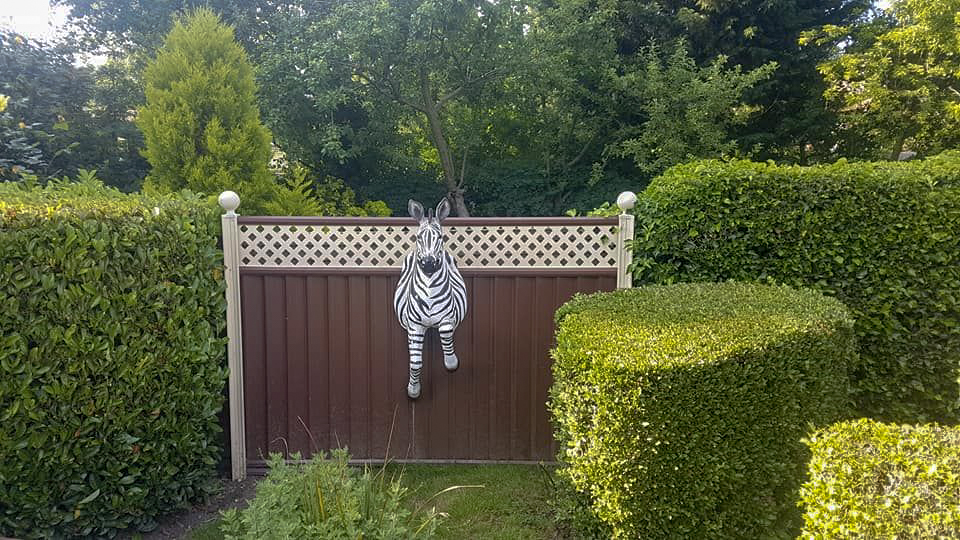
x=32 y=18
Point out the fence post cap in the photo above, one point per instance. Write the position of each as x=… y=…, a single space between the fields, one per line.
x=626 y=200
x=229 y=201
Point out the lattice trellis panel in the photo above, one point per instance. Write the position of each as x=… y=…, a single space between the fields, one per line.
x=473 y=246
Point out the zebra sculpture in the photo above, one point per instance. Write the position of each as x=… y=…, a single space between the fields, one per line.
x=430 y=294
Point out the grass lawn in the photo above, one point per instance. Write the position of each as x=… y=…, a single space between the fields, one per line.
x=514 y=502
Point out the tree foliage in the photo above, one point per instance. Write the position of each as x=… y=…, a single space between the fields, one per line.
x=790 y=112
x=541 y=91
x=201 y=123
x=426 y=63
x=898 y=84
x=61 y=118
x=568 y=95
x=43 y=91
x=135 y=26
x=689 y=111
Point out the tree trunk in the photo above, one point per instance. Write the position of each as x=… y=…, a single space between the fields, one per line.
x=897 y=148
x=430 y=109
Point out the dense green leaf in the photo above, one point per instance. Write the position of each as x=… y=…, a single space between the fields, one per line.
x=679 y=409
x=880 y=237
x=112 y=360
x=872 y=480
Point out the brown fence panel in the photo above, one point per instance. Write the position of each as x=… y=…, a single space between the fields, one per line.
x=318 y=360
x=325 y=366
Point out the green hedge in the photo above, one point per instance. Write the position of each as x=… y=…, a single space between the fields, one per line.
x=880 y=237
x=111 y=358
x=680 y=409
x=873 y=480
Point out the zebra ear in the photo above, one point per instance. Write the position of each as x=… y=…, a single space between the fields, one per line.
x=443 y=209
x=415 y=209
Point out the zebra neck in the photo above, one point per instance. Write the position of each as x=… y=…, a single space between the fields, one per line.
x=431 y=281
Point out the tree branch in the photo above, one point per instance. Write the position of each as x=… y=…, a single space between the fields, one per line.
x=463 y=169
x=390 y=92
x=459 y=90
x=580 y=155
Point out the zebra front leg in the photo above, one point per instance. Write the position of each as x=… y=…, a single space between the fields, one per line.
x=450 y=360
x=415 y=335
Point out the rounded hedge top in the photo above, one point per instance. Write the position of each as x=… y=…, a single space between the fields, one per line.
x=89 y=199
x=696 y=323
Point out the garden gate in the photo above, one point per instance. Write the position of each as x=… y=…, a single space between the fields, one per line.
x=318 y=361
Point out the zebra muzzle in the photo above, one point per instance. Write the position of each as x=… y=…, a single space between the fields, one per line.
x=429 y=264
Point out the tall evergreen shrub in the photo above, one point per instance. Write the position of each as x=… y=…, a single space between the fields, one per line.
x=111 y=358
x=880 y=237
x=201 y=123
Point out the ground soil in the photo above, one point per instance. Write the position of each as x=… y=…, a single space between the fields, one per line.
x=176 y=526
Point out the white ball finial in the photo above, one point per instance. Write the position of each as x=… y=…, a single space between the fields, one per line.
x=626 y=200
x=229 y=201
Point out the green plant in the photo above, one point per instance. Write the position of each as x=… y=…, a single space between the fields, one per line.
x=111 y=357
x=325 y=498
x=880 y=237
x=679 y=409
x=572 y=513
x=200 y=123
x=873 y=480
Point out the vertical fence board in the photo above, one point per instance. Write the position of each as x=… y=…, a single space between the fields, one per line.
x=275 y=338
x=381 y=408
x=402 y=442
x=318 y=363
x=298 y=397
x=339 y=385
x=358 y=335
x=254 y=359
x=542 y=434
x=462 y=384
x=503 y=331
x=482 y=357
x=524 y=361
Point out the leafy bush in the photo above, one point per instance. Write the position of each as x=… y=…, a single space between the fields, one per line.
x=880 y=237
x=111 y=360
x=680 y=409
x=873 y=480
x=200 y=124
x=302 y=196
x=325 y=498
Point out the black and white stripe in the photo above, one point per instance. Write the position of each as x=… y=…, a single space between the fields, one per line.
x=431 y=293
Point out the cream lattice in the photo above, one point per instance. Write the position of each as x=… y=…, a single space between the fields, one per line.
x=473 y=246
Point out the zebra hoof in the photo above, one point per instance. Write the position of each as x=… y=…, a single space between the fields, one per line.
x=451 y=362
x=413 y=390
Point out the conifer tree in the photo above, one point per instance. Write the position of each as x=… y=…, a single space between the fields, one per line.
x=201 y=123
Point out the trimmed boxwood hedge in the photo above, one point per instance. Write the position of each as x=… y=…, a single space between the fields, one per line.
x=873 y=480
x=880 y=237
x=680 y=409
x=111 y=358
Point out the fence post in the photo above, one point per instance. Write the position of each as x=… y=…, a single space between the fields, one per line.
x=229 y=201
x=625 y=201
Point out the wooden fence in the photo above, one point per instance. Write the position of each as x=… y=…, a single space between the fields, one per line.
x=318 y=360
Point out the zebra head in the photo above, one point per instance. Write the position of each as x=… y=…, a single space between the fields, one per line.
x=429 y=248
